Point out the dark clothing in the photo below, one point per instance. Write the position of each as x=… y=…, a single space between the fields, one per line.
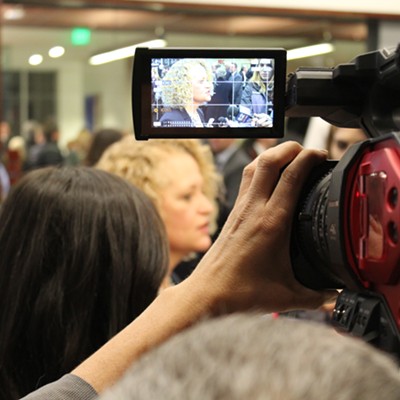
x=232 y=171
x=236 y=87
x=69 y=387
x=217 y=107
x=50 y=154
x=179 y=118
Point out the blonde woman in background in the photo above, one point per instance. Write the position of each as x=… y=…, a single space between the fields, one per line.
x=257 y=95
x=179 y=175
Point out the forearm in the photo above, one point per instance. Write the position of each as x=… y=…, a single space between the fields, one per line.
x=174 y=309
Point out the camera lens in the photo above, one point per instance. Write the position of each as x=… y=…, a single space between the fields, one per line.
x=310 y=248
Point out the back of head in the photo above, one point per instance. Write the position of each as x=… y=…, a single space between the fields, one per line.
x=82 y=253
x=259 y=358
x=101 y=139
x=51 y=132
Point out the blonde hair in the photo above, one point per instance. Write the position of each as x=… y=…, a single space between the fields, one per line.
x=256 y=78
x=138 y=161
x=177 y=89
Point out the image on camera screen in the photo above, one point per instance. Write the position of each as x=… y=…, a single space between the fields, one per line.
x=207 y=93
x=200 y=93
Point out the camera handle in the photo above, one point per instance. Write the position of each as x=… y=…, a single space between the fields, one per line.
x=366 y=315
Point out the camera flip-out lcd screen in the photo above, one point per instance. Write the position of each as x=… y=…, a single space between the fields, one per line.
x=179 y=93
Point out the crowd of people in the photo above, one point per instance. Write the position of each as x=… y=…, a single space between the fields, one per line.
x=90 y=251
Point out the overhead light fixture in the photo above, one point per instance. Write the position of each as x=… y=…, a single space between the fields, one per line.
x=56 y=51
x=310 y=51
x=35 y=59
x=124 y=52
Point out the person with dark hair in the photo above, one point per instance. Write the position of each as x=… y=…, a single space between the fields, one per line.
x=217 y=107
x=82 y=254
x=50 y=153
x=235 y=83
x=101 y=139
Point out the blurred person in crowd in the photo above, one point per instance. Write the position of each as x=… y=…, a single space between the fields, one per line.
x=16 y=158
x=235 y=84
x=82 y=254
x=4 y=182
x=231 y=159
x=251 y=356
x=35 y=140
x=186 y=87
x=257 y=95
x=255 y=146
x=49 y=153
x=5 y=135
x=243 y=71
x=180 y=177
x=217 y=107
x=340 y=139
x=101 y=140
x=78 y=148
x=253 y=66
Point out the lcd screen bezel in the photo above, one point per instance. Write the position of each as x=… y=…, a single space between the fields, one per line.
x=142 y=93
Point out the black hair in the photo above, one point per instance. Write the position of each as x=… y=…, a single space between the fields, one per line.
x=101 y=139
x=82 y=253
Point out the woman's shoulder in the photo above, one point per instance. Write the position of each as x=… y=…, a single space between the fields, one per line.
x=175 y=114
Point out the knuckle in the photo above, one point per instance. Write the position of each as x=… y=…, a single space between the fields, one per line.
x=291 y=176
x=249 y=170
x=268 y=162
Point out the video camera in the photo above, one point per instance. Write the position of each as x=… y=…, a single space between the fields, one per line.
x=346 y=231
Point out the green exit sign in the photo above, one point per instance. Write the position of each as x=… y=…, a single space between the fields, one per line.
x=80 y=36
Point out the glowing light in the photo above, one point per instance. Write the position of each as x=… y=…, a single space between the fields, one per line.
x=124 y=52
x=310 y=51
x=56 y=51
x=35 y=59
x=80 y=36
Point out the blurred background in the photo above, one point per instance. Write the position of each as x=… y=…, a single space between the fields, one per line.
x=46 y=47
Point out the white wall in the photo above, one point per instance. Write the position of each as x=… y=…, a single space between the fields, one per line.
x=70 y=111
x=111 y=83
x=388 y=33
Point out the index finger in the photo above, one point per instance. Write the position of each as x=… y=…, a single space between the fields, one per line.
x=292 y=179
x=269 y=166
x=273 y=160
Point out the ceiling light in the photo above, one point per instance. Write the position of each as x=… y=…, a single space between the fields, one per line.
x=15 y=13
x=310 y=51
x=35 y=59
x=56 y=51
x=124 y=52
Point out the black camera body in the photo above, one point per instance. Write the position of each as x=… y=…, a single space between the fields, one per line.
x=346 y=229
